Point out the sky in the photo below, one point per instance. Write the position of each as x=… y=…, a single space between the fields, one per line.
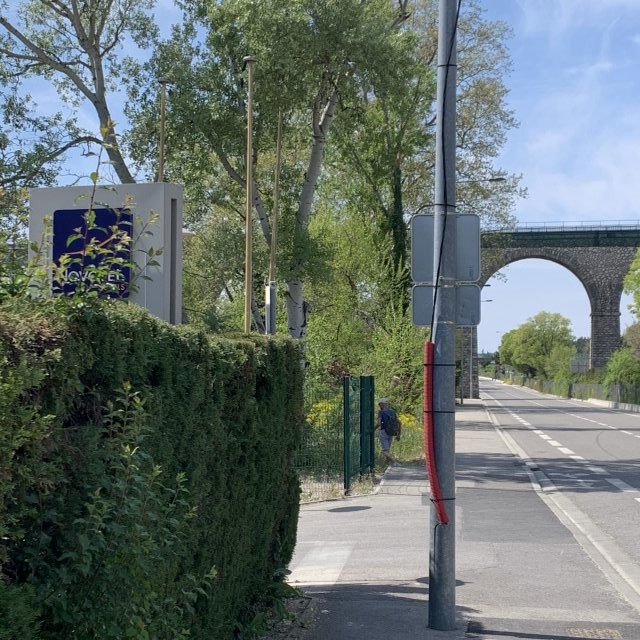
x=575 y=91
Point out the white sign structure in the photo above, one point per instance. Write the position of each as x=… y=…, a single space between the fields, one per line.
x=467 y=243
x=467 y=312
x=467 y=305
x=161 y=294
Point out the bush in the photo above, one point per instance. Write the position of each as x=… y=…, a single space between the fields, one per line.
x=200 y=477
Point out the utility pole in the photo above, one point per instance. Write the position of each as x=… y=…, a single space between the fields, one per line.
x=442 y=602
x=248 y=226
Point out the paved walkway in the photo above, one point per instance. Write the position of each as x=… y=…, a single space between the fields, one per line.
x=520 y=572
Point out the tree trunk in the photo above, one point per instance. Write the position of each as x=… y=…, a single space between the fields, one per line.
x=400 y=276
x=297 y=308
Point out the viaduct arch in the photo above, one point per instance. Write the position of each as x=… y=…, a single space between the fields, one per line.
x=599 y=256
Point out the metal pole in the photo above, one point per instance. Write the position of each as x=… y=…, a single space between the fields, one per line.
x=470 y=362
x=442 y=604
x=271 y=291
x=163 y=101
x=248 y=226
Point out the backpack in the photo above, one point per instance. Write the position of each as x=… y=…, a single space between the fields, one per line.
x=389 y=421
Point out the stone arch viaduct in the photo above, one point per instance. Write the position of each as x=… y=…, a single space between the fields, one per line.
x=599 y=256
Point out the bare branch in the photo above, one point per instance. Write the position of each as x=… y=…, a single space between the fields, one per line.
x=46 y=59
x=30 y=175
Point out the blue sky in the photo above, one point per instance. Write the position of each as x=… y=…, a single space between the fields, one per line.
x=575 y=90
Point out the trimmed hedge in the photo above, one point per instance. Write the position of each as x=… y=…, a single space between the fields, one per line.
x=224 y=412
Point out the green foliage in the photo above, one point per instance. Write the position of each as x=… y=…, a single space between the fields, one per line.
x=18 y=612
x=632 y=284
x=631 y=338
x=410 y=447
x=539 y=347
x=558 y=364
x=78 y=49
x=117 y=575
x=221 y=420
x=623 y=368
x=321 y=448
x=396 y=360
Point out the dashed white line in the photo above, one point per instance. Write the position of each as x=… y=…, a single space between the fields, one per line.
x=620 y=484
x=546 y=485
x=599 y=470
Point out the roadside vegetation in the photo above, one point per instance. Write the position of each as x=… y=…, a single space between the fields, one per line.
x=354 y=84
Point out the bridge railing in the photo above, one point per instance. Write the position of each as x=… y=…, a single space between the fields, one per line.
x=591 y=225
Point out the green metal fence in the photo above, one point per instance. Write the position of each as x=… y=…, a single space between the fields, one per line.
x=359 y=445
x=337 y=444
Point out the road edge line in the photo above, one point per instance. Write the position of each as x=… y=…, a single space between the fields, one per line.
x=606 y=555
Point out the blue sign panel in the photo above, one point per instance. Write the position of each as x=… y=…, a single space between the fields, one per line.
x=87 y=250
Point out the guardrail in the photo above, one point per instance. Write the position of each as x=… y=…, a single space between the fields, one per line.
x=529 y=227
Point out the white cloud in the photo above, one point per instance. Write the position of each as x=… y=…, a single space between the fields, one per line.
x=592 y=68
x=555 y=19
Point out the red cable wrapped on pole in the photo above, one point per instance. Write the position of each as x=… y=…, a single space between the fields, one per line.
x=429 y=444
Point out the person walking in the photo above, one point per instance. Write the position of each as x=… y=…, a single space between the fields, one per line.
x=390 y=428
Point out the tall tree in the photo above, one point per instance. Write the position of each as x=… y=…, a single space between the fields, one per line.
x=310 y=54
x=76 y=45
x=530 y=347
x=387 y=138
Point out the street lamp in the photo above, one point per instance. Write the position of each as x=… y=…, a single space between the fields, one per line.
x=248 y=262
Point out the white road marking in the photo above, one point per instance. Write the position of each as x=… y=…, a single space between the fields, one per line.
x=544 y=483
x=599 y=470
x=323 y=564
x=620 y=484
x=613 y=561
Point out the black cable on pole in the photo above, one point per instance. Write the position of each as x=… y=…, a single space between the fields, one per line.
x=436 y=283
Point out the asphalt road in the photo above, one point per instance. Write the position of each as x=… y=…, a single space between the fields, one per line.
x=533 y=561
x=586 y=459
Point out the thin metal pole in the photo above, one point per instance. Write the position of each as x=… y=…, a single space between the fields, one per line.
x=248 y=227
x=163 y=102
x=276 y=201
x=470 y=362
x=442 y=604
x=271 y=289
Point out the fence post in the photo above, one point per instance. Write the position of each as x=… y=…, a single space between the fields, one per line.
x=372 y=436
x=366 y=424
x=346 y=413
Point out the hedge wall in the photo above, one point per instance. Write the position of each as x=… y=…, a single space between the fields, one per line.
x=95 y=539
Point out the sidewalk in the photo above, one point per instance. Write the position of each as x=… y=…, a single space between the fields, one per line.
x=520 y=573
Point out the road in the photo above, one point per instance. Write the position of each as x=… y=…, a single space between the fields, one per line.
x=586 y=460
